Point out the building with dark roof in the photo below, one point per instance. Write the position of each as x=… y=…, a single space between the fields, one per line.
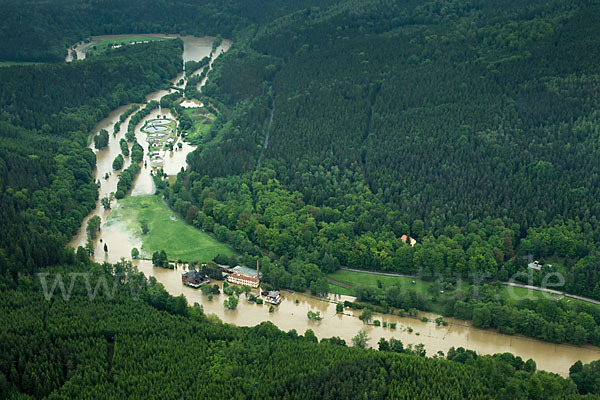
x=273 y=297
x=194 y=279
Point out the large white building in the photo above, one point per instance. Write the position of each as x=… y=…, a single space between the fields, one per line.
x=243 y=280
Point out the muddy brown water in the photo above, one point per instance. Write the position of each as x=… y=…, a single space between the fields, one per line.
x=119 y=240
x=292 y=315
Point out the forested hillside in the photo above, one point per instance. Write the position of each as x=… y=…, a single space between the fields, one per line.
x=47 y=114
x=343 y=126
x=29 y=35
x=132 y=340
x=470 y=126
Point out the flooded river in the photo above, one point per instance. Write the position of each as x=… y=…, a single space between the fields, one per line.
x=291 y=313
x=115 y=236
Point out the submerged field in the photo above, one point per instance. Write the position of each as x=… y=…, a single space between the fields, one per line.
x=165 y=230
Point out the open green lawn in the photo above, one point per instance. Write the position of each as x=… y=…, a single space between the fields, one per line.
x=104 y=44
x=166 y=230
x=509 y=294
x=365 y=279
x=513 y=295
x=201 y=124
x=355 y=279
x=335 y=289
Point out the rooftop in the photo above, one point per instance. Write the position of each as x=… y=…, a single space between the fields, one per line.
x=244 y=277
x=245 y=271
x=535 y=265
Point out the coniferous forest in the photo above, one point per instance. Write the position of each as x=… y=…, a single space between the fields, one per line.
x=343 y=126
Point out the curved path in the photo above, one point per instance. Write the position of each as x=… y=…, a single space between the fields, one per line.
x=511 y=284
x=551 y=291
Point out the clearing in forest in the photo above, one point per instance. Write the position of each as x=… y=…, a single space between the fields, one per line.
x=162 y=229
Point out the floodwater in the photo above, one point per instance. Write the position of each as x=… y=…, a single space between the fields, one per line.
x=291 y=313
x=195 y=48
x=115 y=234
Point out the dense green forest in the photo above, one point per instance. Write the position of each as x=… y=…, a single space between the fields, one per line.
x=29 y=35
x=47 y=116
x=470 y=126
x=127 y=338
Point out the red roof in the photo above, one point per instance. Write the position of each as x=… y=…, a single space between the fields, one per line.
x=403 y=238
x=246 y=278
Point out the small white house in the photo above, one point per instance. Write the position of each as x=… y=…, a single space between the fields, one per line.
x=535 y=265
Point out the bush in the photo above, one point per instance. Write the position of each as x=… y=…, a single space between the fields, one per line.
x=231 y=303
x=101 y=139
x=314 y=315
x=117 y=163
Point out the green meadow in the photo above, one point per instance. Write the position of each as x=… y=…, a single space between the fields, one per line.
x=366 y=279
x=165 y=230
x=201 y=121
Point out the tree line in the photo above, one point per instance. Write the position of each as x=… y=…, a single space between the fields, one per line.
x=111 y=347
x=46 y=185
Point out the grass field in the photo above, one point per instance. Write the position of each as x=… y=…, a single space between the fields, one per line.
x=104 y=44
x=514 y=294
x=365 y=279
x=511 y=295
x=201 y=124
x=335 y=289
x=166 y=230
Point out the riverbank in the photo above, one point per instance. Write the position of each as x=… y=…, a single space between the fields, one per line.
x=292 y=315
x=116 y=236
